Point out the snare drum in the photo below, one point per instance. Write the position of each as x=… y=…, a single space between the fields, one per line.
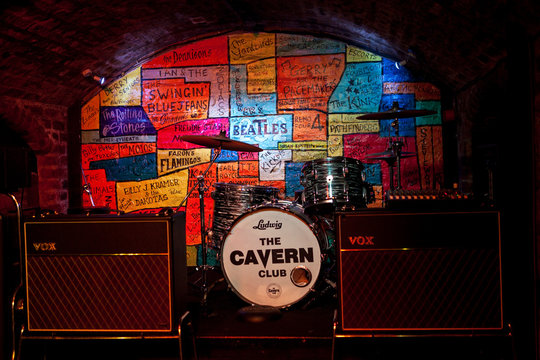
x=272 y=255
x=233 y=200
x=335 y=182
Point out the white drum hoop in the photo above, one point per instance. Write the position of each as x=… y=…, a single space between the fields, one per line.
x=271 y=255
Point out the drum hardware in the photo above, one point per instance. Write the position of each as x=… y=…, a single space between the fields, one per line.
x=393 y=154
x=220 y=142
x=329 y=288
x=301 y=276
x=395 y=112
x=326 y=288
x=258 y=313
x=298 y=197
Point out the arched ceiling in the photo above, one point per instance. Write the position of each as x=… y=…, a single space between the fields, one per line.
x=46 y=44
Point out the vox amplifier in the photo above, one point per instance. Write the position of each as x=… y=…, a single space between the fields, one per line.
x=106 y=273
x=437 y=271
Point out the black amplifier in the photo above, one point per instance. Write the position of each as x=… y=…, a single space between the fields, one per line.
x=419 y=271
x=111 y=273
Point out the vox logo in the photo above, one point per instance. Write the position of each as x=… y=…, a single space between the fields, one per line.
x=362 y=240
x=44 y=246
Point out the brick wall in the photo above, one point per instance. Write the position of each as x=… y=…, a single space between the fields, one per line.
x=537 y=167
x=479 y=115
x=44 y=128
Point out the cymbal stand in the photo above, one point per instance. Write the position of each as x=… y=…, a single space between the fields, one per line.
x=200 y=185
x=395 y=146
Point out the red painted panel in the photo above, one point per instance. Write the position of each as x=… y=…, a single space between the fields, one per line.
x=213 y=51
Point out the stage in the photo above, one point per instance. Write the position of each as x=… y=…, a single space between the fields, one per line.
x=228 y=328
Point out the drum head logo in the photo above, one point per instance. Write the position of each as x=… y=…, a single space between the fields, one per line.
x=261 y=250
x=273 y=291
x=262 y=225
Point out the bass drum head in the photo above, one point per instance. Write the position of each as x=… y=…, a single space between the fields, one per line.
x=271 y=257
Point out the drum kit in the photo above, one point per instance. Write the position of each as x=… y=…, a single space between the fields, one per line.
x=273 y=251
x=393 y=154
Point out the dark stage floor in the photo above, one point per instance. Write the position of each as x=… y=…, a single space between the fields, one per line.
x=304 y=331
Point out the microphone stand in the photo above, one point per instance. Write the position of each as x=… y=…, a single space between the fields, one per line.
x=200 y=185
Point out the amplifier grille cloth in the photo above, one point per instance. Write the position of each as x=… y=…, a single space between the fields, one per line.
x=425 y=289
x=99 y=292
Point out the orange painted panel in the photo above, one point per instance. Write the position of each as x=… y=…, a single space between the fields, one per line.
x=307 y=82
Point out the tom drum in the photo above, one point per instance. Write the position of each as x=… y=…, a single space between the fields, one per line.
x=335 y=182
x=234 y=200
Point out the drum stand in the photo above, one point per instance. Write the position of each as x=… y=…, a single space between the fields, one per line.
x=218 y=143
x=200 y=185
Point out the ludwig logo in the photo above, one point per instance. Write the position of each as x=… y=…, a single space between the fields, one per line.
x=262 y=225
x=362 y=240
x=44 y=246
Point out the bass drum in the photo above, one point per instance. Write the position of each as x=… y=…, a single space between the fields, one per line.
x=271 y=255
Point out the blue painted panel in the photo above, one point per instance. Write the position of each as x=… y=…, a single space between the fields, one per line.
x=373 y=174
x=405 y=101
x=405 y=125
x=405 y=128
x=292 y=178
x=133 y=168
x=434 y=119
x=359 y=91
x=264 y=131
x=226 y=155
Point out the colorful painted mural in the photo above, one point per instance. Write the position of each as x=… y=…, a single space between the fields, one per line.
x=296 y=97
